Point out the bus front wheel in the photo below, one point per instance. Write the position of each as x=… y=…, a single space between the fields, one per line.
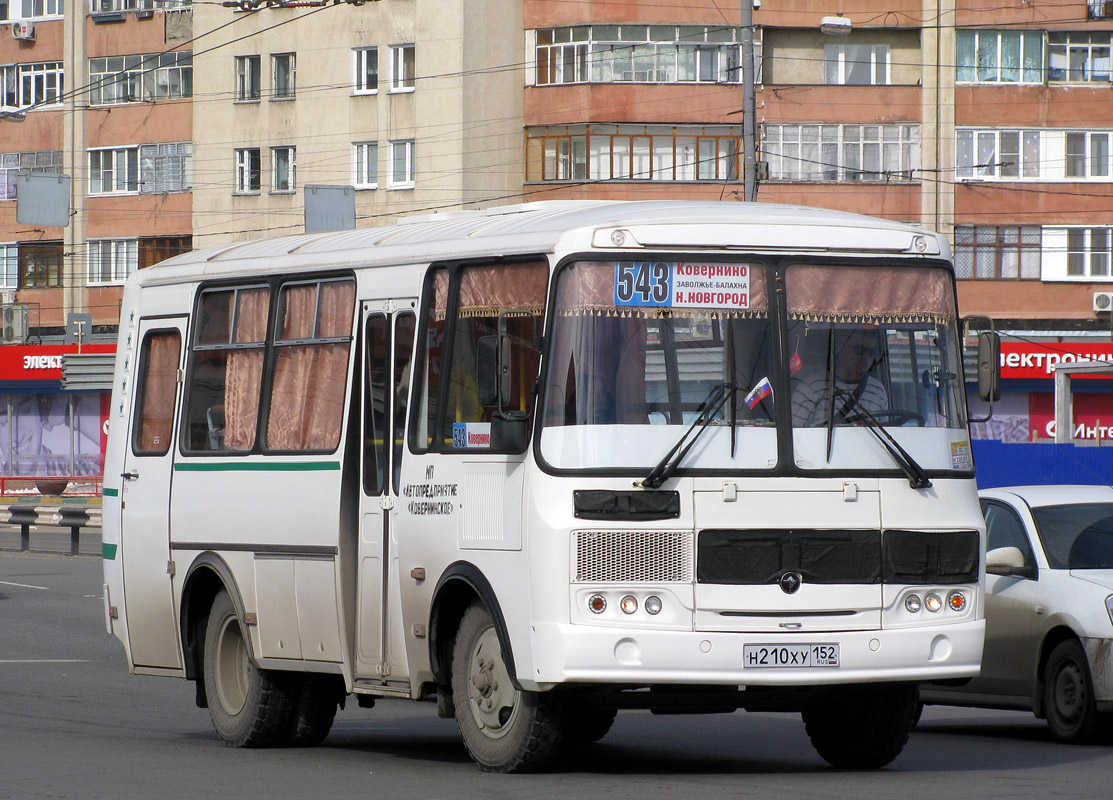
x=504 y=728
x=862 y=727
x=249 y=707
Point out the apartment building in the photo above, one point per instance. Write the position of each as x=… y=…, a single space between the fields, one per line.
x=100 y=92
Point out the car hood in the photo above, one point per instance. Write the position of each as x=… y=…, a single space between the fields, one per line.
x=1099 y=577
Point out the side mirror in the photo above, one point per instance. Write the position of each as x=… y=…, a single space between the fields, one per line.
x=492 y=370
x=1007 y=561
x=989 y=366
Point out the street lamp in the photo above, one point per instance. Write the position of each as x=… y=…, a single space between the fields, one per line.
x=835 y=26
x=13 y=116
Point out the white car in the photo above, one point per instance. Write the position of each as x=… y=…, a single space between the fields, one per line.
x=1049 y=609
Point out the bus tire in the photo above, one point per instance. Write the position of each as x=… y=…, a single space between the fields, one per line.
x=861 y=727
x=504 y=728
x=1068 y=695
x=249 y=707
x=313 y=711
x=588 y=725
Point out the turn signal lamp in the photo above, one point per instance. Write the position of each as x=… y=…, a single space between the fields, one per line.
x=956 y=601
x=597 y=604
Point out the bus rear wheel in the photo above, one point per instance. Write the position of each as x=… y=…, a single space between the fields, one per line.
x=249 y=707
x=505 y=729
x=862 y=727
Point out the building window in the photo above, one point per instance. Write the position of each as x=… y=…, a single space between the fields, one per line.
x=841 y=152
x=283 y=169
x=166 y=167
x=639 y=54
x=1000 y=56
x=632 y=153
x=998 y=251
x=402 y=68
x=154 y=249
x=114 y=171
x=1088 y=252
x=402 y=164
x=23 y=85
x=38 y=161
x=248 y=170
x=9 y=266
x=856 y=64
x=1088 y=154
x=40 y=265
x=365 y=165
x=31 y=9
x=247 y=78
x=997 y=154
x=99 y=6
x=128 y=79
x=365 y=68
x=283 y=75
x=1078 y=57
x=112 y=260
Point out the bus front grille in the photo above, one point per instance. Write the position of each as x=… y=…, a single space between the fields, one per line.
x=633 y=556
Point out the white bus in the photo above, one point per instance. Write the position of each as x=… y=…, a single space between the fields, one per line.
x=545 y=462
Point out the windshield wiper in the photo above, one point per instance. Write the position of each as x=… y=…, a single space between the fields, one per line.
x=714 y=401
x=913 y=471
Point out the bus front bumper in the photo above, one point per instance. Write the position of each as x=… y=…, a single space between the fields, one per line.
x=565 y=653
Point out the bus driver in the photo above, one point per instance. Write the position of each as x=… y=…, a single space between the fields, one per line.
x=855 y=355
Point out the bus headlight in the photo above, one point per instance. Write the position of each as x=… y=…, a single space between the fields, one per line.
x=933 y=602
x=653 y=605
x=628 y=604
x=912 y=604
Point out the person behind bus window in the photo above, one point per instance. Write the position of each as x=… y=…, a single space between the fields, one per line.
x=855 y=388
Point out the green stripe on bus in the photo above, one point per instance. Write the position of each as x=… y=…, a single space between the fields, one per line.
x=108 y=552
x=111 y=492
x=239 y=466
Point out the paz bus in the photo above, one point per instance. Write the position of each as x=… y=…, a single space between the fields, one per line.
x=543 y=463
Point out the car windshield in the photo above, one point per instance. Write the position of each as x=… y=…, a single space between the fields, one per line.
x=1076 y=536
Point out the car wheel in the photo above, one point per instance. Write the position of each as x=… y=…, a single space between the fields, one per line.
x=1068 y=695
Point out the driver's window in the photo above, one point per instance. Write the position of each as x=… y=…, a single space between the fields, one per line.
x=1004 y=529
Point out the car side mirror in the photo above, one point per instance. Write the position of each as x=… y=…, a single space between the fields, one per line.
x=1007 y=561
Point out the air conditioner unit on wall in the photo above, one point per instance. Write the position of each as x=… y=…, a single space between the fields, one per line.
x=13 y=323
x=21 y=29
x=1103 y=301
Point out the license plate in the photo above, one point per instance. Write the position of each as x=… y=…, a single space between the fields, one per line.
x=758 y=656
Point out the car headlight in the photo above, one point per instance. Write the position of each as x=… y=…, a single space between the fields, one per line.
x=1109 y=606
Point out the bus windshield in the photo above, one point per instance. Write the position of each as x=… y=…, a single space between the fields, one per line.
x=638 y=348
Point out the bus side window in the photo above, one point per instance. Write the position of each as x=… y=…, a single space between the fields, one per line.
x=158 y=383
x=226 y=370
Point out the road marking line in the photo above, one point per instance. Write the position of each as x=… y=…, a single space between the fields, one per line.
x=44 y=661
x=24 y=585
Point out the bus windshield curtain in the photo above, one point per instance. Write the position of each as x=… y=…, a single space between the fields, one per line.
x=307 y=397
x=869 y=294
x=245 y=369
x=599 y=352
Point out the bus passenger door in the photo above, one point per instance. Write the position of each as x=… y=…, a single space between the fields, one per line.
x=145 y=495
x=388 y=337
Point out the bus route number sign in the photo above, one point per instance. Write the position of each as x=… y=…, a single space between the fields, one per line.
x=665 y=284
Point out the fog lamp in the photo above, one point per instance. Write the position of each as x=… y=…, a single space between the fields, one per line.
x=933 y=602
x=653 y=605
x=956 y=601
x=912 y=604
x=597 y=603
x=628 y=604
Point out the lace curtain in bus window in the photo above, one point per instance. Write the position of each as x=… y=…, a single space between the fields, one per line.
x=159 y=384
x=310 y=375
x=244 y=375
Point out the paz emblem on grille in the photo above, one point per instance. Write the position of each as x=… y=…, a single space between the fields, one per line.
x=790 y=582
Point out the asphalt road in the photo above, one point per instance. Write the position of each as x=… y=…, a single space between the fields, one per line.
x=74 y=724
